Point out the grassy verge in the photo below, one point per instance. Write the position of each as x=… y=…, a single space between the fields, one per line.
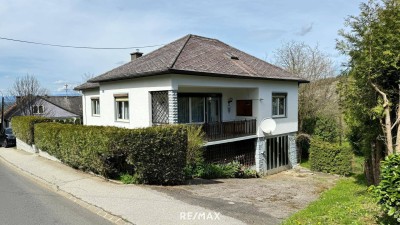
x=348 y=202
x=305 y=163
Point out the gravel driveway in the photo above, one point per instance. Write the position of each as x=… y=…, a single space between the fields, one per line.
x=267 y=200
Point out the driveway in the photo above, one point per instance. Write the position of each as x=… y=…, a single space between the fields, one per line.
x=266 y=200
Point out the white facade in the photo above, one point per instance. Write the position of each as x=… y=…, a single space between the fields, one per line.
x=260 y=91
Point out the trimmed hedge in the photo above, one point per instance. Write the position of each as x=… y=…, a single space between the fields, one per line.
x=23 y=127
x=388 y=190
x=154 y=155
x=330 y=158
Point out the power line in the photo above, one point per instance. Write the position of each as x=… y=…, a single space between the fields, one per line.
x=80 y=47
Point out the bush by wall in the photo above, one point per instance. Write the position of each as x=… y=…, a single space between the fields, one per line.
x=228 y=170
x=388 y=190
x=303 y=142
x=154 y=155
x=157 y=153
x=330 y=158
x=23 y=127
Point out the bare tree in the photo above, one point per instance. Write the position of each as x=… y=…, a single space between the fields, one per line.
x=319 y=96
x=87 y=76
x=27 y=91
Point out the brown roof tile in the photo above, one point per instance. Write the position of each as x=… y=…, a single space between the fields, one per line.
x=86 y=85
x=199 y=56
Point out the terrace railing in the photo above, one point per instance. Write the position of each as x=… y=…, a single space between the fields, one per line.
x=229 y=129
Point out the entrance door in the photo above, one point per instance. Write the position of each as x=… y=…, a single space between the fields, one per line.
x=213 y=109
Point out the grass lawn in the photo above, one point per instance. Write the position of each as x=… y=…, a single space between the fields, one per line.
x=348 y=202
x=305 y=163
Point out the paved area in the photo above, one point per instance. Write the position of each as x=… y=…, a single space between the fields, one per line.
x=268 y=200
x=133 y=203
x=23 y=201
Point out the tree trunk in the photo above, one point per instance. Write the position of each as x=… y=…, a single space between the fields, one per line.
x=397 y=144
x=372 y=163
x=388 y=121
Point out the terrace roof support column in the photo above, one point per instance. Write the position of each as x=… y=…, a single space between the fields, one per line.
x=173 y=107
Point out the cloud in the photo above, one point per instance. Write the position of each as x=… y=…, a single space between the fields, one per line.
x=267 y=34
x=305 y=30
x=60 y=82
x=120 y=63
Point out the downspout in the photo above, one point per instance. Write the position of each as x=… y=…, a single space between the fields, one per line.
x=84 y=109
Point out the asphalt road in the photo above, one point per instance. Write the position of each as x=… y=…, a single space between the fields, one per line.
x=22 y=201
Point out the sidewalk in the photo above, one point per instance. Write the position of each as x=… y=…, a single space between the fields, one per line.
x=119 y=203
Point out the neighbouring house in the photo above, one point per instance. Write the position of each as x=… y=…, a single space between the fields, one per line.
x=54 y=107
x=199 y=80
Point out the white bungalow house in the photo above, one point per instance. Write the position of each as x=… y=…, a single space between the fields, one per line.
x=203 y=81
x=53 y=107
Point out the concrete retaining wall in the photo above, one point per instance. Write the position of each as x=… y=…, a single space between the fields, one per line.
x=32 y=149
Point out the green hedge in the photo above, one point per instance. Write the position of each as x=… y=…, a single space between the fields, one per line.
x=23 y=127
x=154 y=155
x=330 y=158
x=388 y=190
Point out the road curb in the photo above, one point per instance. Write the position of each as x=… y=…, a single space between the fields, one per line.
x=50 y=186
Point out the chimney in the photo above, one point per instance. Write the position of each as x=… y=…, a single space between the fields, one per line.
x=135 y=55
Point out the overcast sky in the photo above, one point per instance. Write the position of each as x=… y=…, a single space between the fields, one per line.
x=257 y=27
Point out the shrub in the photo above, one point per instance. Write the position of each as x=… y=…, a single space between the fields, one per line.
x=129 y=179
x=303 y=142
x=249 y=173
x=213 y=171
x=326 y=129
x=154 y=155
x=157 y=153
x=196 y=140
x=23 y=127
x=308 y=125
x=194 y=156
x=81 y=147
x=388 y=190
x=330 y=158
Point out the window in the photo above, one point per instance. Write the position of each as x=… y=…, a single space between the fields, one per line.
x=95 y=106
x=122 y=107
x=191 y=109
x=159 y=107
x=244 y=108
x=38 y=109
x=278 y=105
x=35 y=109
x=41 y=109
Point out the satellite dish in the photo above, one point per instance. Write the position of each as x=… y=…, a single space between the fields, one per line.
x=268 y=125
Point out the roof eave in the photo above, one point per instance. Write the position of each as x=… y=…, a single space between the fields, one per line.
x=132 y=76
x=196 y=73
x=85 y=88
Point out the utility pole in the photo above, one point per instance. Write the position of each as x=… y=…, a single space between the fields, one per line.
x=66 y=90
x=2 y=114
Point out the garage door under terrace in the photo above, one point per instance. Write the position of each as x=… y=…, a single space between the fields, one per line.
x=277 y=154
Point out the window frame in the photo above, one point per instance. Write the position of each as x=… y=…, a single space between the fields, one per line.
x=122 y=99
x=95 y=110
x=35 y=109
x=205 y=97
x=40 y=111
x=279 y=96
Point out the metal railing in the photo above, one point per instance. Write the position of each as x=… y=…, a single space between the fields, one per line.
x=229 y=129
